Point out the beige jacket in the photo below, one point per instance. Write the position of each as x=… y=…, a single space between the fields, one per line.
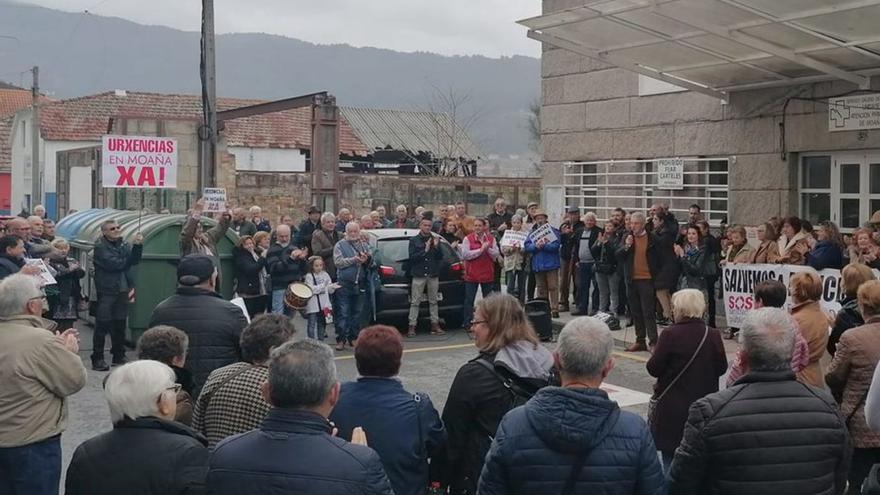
x=849 y=377
x=37 y=373
x=813 y=324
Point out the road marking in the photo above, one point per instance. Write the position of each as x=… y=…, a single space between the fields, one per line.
x=419 y=349
x=628 y=355
x=624 y=397
x=633 y=357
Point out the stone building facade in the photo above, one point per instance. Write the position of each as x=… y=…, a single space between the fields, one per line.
x=780 y=156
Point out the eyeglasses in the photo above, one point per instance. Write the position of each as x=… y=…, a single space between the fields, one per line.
x=176 y=387
x=113 y=228
x=41 y=298
x=470 y=327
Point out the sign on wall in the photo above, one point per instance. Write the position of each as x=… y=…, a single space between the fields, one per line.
x=670 y=173
x=139 y=161
x=853 y=113
x=738 y=285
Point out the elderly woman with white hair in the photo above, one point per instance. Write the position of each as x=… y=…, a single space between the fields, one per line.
x=687 y=362
x=146 y=452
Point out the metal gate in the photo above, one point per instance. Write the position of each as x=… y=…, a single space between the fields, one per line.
x=601 y=186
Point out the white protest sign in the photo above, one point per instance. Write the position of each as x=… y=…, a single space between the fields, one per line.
x=670 y=173
x=752 y=237
x=513 y=238
x=139 y=161
x=45 y=275
x=738 y=285
x=215 y=199
x=544 y=232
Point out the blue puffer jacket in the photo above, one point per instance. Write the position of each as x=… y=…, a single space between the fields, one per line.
x=537 y=444
x=547 y=258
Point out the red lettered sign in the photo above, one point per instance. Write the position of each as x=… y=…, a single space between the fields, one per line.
x=139 y=161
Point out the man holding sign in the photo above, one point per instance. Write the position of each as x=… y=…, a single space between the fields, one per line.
x=543 y=244
x=195 y=240
x=114 y=283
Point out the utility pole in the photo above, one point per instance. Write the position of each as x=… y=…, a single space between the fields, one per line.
x=208 y=131
x=36 y=176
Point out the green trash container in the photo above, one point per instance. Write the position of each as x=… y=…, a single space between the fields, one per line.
x=156 y=274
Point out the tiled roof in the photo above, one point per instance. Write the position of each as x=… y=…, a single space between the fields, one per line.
x=410 y=131
x=86 y=119
x=5 y=144
x=13 y=100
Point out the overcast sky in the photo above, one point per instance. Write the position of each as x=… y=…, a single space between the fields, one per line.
x=450 y=27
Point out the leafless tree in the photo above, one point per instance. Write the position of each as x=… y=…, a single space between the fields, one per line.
x=453 y=115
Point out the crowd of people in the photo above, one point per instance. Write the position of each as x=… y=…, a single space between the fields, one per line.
x=217 y=404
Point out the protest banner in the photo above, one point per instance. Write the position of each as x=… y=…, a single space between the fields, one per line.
x=215 y=199
x=738 y=287
x=45 y=275
x=139 y=161
x=544 y=232
x=513 y=238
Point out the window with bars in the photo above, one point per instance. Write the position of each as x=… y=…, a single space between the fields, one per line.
x=601 y=186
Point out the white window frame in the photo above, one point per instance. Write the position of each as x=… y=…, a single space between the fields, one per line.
x=864 y=158
x=587 y=182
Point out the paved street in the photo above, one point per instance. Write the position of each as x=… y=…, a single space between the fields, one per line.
x=429 y=365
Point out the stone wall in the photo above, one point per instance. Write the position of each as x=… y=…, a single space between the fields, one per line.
x=592 y=111
x=290 y=193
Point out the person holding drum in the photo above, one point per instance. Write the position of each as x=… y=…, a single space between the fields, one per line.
x=352 y=258
x=286 y=264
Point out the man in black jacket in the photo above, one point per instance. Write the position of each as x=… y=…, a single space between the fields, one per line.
x=638 y=255
x=425 y=258
x=302 y=389
x=768 y=434
x=12 y=257
x=286 y=264
x=114 y=284
x=212 y=324
x=307 y=228
x=146 y=452
x=571 y=230
x=499 y=221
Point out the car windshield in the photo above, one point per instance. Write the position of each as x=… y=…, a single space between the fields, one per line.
x=393 y=252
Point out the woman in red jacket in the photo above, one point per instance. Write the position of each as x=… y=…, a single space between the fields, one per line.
x=479 y=252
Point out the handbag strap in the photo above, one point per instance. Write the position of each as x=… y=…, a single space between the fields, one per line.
x=317 y=296
x=686 y=366
x=856 y=409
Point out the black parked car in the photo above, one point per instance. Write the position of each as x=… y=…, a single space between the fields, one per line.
x=393 y=298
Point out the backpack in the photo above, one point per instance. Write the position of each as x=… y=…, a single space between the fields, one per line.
x=521 y=390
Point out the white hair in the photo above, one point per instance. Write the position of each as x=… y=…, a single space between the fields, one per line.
x=590 y=214
x=688 y=303
x=585 y=345
x=767 y=338
x=637 y=216
x=401 y=208
x=328 y=216
x=15 y=292
x=352 y=226
x=133 y=390
x=256 y=209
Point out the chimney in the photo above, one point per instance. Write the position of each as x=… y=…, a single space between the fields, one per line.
x=121 y=92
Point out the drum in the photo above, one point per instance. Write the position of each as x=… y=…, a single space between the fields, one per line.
x=297 y=295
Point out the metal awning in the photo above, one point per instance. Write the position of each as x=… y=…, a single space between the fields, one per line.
x=719 y=46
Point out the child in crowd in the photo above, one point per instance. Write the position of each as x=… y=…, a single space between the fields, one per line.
x=319 y=310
